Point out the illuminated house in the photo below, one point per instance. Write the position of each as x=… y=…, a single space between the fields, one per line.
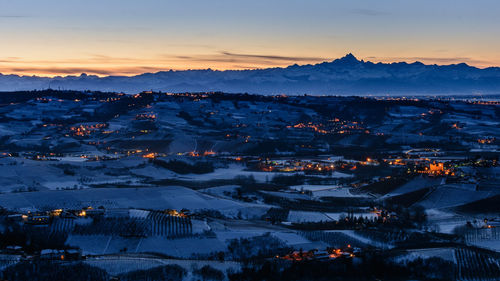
x=37 y=219
x=436 y=167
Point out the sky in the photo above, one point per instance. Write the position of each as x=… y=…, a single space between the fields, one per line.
x=125 y=37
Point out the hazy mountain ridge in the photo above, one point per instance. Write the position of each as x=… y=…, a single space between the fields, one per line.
x=344 y=76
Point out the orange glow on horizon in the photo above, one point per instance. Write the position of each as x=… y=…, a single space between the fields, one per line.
x=102 y=65
x=108 y=66
x=113 y=70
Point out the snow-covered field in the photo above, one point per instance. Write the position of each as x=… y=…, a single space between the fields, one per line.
x=363 y=239
x=448 y=196
x=220 y=190
x=231 y=172
x=181 y=247
x=326 y=191
x=493 y=245
x=298 y=241
x=304 y=216
x=446 y=254
x=445 y=222
x=227 y=230
x=153 y=198
x=24 y=174
x=289 y=195
x=153 y=172
x=415 y=184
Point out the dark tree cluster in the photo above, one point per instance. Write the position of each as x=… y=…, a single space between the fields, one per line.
x=370 y=268
x=31 y=238
x=182 y=167
x=161 y=273
x=276 y=214
x=51 y=271
x=264 y=246
x=209 y=273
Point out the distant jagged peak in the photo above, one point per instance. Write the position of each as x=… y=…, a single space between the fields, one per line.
x=348 y=59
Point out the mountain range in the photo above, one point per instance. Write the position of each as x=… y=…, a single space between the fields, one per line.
x=343 y=76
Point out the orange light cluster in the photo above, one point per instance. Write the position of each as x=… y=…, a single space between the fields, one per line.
x=316 y=128
x=209 y=153
x=486 y=141
x=486 y=102
x=398 y=162
x=437 y=169
x=175 y=213
x=145 y=116
x=85 y=130
x=296 y=256
x=151 y=155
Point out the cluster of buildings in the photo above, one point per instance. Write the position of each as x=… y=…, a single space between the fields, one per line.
x=424 y=165
x=334 y=126
x=15 y=254
x=44 y=218
x=347 y=252
x=151 y=116
x=312 y=165
x=87 y=129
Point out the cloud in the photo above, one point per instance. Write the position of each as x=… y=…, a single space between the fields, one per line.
x=97 y=64
x=51 y=71
x=10 y=60
x=103 y=65
x=90 y=59
x=273 y=57
x=184 y=57
x=100 y=64
x=202 y=46
x=165 y=59
x=232 y=60
x=436 y=60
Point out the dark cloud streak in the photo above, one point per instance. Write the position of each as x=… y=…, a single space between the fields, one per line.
x=78 y=70
x=272 y=57
x=440 y=60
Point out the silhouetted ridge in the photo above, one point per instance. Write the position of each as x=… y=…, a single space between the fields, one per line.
x=348 y=59
x=343 y=76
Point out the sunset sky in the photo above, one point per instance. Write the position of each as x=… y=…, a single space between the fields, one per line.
x=124 y=37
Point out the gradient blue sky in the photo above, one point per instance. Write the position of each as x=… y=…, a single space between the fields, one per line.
x=103 y=37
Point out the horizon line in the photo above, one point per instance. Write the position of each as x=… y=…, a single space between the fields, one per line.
x=103 y=73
